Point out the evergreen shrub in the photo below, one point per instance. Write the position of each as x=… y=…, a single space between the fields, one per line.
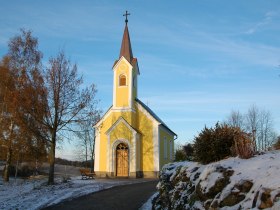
x=188 y=149
x=180 y=155
x=214 y=144
x=277 y=144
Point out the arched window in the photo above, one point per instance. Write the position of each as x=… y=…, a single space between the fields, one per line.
x=122 y=80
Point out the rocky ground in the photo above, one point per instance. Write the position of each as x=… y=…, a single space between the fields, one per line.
x=228 y=184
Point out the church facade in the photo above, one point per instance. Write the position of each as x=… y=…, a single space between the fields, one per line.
x=131 y=140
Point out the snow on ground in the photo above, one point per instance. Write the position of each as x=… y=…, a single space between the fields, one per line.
x=35 y=193
x=263 y=170
x=148 y=205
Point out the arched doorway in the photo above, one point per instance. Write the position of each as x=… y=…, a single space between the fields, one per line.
x=122 y=160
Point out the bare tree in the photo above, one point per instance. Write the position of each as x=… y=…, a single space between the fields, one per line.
x=266 y=135
x=236 y=119
x=257 y=122
x=252 y=123
x=260 y=124
x=86 y=138
x=66 y=102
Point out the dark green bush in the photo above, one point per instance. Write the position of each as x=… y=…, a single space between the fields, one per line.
x=277 y=144
x=213 y=144
x=26 y=171
x=188 y=149
x=180 y=155
x=23 y=171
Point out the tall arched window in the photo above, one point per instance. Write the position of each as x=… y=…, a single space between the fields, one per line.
x=122 y=80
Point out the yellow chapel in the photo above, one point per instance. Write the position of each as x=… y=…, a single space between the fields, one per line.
x=131 y=140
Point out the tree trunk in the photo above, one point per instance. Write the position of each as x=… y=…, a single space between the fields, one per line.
x=9 y=155
x=52 y=160
x=254 y=140
x=92 y=154
x=36 y=167
x=91 y=165
x=86 y=155
x=16 y=172
x=8 y=165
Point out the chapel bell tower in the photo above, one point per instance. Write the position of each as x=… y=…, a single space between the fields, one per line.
x=126 y=72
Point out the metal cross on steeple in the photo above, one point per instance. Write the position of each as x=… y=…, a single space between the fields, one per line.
x=126 y=14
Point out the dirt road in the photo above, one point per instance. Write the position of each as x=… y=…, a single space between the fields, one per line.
x=129 y=197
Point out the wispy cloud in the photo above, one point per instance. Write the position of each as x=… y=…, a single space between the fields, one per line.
x=262 y=23
x=217 y=67
x=209 y=100
x=81 y=21
x=216 y=46
x=190 y=119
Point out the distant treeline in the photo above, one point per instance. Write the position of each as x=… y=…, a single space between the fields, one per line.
x=73 y=162
x=61 y=161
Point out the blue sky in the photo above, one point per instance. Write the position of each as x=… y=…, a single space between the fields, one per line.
x=198 y=59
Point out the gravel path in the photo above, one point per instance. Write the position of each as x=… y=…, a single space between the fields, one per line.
x=129 y=197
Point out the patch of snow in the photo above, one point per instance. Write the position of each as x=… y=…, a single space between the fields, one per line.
x=172 y=167
x=276 y=206
x=263 y=170
x=210 y=181
x=36 y=194
x=198 y=205
x=148 y=204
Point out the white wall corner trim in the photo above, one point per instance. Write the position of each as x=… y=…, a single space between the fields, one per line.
x=156 y=146
x=97 y=152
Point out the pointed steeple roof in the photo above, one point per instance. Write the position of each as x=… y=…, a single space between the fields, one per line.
x=126 y=50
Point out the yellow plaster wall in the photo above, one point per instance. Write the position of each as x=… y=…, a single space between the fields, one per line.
x=145 y=126
x=121 y=132
x=122 y=92
x=142 y=124
x=169 y=138
x=105 y=125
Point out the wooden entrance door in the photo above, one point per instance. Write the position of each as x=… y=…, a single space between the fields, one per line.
x=122 y=160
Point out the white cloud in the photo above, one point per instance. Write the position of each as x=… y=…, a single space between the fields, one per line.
x=220 y=45
x=211 y=101
x=262 y=23
x=64 y=20
x=191 y=119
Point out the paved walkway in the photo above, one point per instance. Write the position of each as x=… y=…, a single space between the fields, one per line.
x=129 y=197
